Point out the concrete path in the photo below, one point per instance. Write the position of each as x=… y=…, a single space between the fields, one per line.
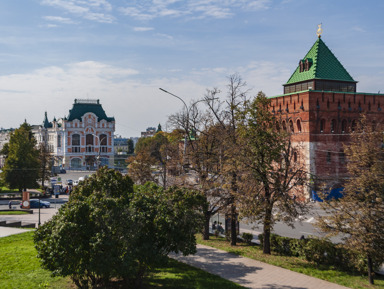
x=250 y=273
x=7 y=231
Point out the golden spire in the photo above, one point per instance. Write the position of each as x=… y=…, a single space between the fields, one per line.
x=319 y=30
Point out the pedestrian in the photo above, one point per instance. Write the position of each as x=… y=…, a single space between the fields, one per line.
x=10 y=204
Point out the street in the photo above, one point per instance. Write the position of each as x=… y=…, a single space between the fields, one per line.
x=303 y=226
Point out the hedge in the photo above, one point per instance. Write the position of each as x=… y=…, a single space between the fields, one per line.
x=320 y=251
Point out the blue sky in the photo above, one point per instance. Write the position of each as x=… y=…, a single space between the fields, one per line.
x=122 y=51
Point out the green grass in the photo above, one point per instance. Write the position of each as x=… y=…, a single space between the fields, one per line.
x=20 y=268
x=295 y=264
x=177 y=275
x=5 y=190
x=13 y=213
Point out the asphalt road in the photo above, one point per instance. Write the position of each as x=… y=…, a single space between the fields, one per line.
x=303 y=226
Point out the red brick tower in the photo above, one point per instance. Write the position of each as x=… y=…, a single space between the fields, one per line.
x=320 y=106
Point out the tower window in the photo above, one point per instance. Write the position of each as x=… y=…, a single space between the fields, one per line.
x=344 y=126
x=333 y=126
x=298 y=123
x=322 y=125
x=329 y=157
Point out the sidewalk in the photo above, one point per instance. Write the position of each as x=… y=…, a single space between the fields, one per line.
x=251 y=273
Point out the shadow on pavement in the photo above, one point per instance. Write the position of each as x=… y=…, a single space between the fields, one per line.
x=219 y=263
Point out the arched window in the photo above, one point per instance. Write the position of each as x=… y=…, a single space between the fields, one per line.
x=76 y=143
x=333 y=126
x=322 y=125
x=103 y=143
x=284 y=125
x=76 y=163
x=292 y=130
x=89 y=143
x=298 y=124
x=75 y=140
x=344 y=126
x=295 y=157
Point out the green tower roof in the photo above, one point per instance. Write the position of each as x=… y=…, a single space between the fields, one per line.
x=324 y=65
x=81 y=107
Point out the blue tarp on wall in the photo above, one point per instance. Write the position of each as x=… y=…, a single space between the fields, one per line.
x=333 y=194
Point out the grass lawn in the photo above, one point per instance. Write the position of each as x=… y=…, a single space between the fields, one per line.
x=295 y=264
x=19 y=268
x=5 y=190
x=13 y=213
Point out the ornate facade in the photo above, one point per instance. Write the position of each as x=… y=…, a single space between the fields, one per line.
x=83 y=140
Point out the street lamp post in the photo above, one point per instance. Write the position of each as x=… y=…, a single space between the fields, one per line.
x=188 y=109
x=38 y=224
x=98 y=155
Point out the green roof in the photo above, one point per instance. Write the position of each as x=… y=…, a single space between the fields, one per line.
x=82 y=107
x=325 y=66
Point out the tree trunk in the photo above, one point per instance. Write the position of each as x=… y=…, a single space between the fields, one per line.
x=370 y=270
x=207 y=217
x=233 y=225
x=267 y=231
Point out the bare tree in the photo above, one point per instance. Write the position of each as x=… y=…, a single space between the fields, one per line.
x=224 y=113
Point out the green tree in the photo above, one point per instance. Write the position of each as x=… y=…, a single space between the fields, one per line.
x=358 y=215
x=110 y=232
x=151 y=152
x=271 y=177
x=131 y=147
x=21 y=169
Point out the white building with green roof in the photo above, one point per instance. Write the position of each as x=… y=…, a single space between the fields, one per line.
x=81 y=141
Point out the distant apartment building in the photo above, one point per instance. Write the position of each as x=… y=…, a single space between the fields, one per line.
x=4 y=138
x=150 y=131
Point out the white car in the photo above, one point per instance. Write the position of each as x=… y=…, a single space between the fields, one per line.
x=75 y=183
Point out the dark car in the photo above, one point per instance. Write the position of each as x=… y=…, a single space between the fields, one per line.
x=34 y=203
x=63 y=171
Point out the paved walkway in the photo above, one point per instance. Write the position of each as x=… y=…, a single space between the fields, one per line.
x=251 y=273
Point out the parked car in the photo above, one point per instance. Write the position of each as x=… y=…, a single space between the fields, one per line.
x=75 y=183
x=69 y=182
x=34 y=203
x=63 y=171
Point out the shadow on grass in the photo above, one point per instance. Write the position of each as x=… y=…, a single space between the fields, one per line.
x=177 y=275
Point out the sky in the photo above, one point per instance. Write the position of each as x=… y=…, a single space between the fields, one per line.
x=122 y=51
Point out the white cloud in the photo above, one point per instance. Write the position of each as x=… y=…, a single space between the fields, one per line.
x=127 y=94
x=59 y=19
x=192 y=8
x=95 y=10
x=141 y=29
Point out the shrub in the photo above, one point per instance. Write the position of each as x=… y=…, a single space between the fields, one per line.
x=110 y=231
x=320 y=251
x=247 y=237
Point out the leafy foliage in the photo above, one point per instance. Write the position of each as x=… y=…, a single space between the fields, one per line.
x=271 y=178
x=358 y=215
x=109 y=230
x=21 y=168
